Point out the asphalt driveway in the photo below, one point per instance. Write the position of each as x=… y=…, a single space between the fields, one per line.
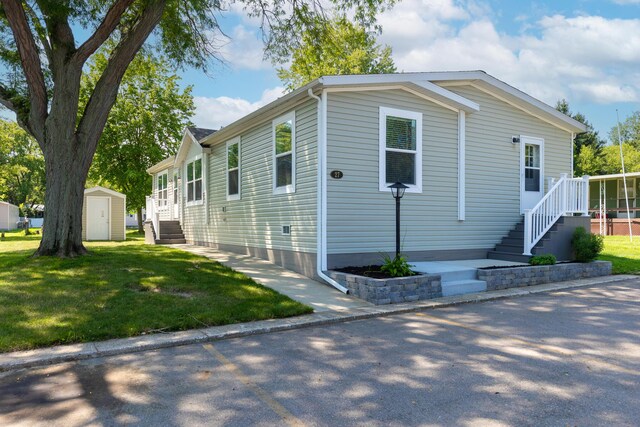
x=562 y=358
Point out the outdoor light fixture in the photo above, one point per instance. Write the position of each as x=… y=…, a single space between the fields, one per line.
x=515 y=139
x=397 y=191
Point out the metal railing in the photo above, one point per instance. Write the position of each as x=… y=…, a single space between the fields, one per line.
x=566 y=196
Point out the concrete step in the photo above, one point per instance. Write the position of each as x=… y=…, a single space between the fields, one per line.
x=518 y=241
x=172 y=222
x=459 y=287
x=506 y=256
x=456 y=275
x=170 y=236
x=170 y=241
x=512 y=249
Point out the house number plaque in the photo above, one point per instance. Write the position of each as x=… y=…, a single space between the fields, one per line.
x=336 y=174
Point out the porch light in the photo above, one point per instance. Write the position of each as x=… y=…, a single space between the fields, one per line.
x=397 y=191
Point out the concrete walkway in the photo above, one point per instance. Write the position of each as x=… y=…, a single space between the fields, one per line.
x=296 y=286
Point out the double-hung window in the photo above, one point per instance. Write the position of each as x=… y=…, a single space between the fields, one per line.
x=193 y=181
x=233 y=169
x=284 y=159
x=162 y=190
x=400 y=149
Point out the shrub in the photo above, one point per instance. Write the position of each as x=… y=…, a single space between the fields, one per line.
x=545 y=259
x=396 y=267
x=586 y=246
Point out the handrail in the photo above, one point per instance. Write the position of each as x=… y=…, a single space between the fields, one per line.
x=153 y=214
x=568 y=195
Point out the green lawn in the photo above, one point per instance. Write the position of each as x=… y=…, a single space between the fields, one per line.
x=121 y=289
x=624 y=255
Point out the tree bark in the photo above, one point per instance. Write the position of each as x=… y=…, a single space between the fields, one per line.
x=140 y=227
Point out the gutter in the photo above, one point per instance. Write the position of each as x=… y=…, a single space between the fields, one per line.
x=321 y=247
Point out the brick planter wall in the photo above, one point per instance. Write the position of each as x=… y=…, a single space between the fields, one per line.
x=390 y=291
x=503 y=278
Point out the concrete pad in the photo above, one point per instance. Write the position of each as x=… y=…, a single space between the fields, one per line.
x=319 y=296
x=439 y=267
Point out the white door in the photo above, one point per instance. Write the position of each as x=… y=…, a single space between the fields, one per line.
x=97 y=218
x=531 y=171
x=176 y=210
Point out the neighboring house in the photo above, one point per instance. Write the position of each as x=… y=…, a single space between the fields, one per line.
x=103 y=214
x=132 y=218
x=9 y=216
x=304 y=181
x=607 y=200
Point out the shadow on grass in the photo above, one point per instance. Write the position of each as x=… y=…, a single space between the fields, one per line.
x=121 y=291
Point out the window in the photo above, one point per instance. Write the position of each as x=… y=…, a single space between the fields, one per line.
x=175 y=188
x=233 y=169
x=162 y=190
x=400 y=149
x=194 y=182
x=631 y=192
x=531 y=167
x=284 y=141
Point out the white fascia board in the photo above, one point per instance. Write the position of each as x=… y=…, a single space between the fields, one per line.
x=614 y=176
x=105 y=190
x=187 y=140
x=447 y=97
x=162 y=165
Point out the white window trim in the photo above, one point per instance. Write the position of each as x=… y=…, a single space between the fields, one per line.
x=166 y=205
x=382 y=172
x=291 y=188
x=230 y=143
x=186 y=182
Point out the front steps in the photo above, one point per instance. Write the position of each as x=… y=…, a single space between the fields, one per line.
x=512 y=245
x=455 y=280
x=170 y=233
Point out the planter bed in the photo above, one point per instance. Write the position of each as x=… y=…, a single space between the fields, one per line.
x=392 y=290
x=519 y=276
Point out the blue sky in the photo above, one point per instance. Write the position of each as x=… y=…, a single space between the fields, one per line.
x=587 y=52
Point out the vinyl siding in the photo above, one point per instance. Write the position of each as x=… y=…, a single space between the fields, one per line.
x=8 y=216
x=362 y=219
x=256 y=219
x=116 y=215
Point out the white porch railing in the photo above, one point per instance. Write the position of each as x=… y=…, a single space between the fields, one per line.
x=566 y=196
x=153 y=214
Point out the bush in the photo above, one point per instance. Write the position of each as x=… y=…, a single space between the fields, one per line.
x=396 y=267
x=586 y=246
x=545 y=259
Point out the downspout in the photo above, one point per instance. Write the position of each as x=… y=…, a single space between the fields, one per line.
x=321 y=248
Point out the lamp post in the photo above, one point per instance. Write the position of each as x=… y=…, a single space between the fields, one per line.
x=397 y=191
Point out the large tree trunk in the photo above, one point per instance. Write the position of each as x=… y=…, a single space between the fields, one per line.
x=140 y=227
x=64 y=197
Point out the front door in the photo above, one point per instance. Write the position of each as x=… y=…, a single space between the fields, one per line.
x=176 y=209
x=531 y=171
x=97 y=218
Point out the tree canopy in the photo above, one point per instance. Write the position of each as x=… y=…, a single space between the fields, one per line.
x=145 y=125
x=336 y=47
x=629 y=131
x=45 y=44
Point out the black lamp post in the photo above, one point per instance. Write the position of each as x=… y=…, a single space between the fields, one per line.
x=397 y=191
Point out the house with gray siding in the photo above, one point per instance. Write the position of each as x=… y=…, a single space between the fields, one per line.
x=304 y=180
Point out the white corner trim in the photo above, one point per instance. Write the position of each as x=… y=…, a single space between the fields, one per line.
x=383 y=185
x=291 y=188
x=461 y=165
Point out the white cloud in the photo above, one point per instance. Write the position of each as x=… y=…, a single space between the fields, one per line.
x=214 y=113
x=244 y=50
x=582 y=58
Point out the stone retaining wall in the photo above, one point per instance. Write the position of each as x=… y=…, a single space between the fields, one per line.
x=390 y=291
x=503 y=278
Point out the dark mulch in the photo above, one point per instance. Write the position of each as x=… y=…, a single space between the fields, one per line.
x=372 y=271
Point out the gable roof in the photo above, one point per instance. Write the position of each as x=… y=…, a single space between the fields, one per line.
x=103 y=189
x=432 y=85
x=162 y=165
x=200 y=133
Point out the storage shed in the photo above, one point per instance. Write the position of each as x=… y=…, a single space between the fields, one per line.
x=8 y=216
x=103 y=214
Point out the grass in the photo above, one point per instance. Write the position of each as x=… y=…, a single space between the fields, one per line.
x=624 y=255
x=121 y=289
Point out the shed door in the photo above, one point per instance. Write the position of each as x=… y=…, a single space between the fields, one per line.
x=97 y=218
x=531 y=172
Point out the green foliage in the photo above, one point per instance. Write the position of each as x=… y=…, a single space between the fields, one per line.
x=336 y=47
x=629 y=131
x=144 y=127
x=396 y=267
x=586 y=246
x=587 y=145
x=21 y=166
x=545 y=259
x=122 y=289
x=611 y=158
